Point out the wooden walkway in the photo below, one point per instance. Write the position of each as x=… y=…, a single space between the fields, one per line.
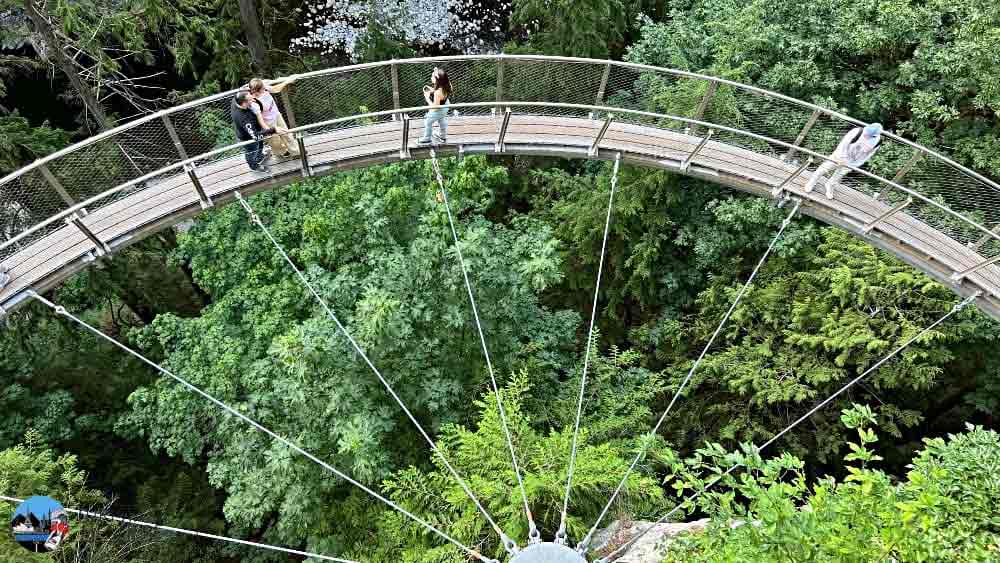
x=50 y=260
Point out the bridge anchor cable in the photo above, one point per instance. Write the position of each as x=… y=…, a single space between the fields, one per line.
x=561 y=534
x=583 y=545
x=533 y=535
x=509 y=544
x=190 y=532
x=757 y=449
x=59 y=310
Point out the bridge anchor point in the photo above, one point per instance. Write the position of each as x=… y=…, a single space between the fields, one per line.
x=548 y=552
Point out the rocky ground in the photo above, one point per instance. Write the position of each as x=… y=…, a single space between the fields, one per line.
x=650 y=548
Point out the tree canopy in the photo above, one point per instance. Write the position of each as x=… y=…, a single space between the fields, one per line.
x=899 y=469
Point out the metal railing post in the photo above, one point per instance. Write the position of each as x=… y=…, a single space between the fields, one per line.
x=885 y=215
x=99 y=245
x=802 y=135
x=600 y=89
x=917 y=155
x=592 y=152
x=776 y=192
x=703 y=104
x=203 y=198
x=303 y=155
x=395 y=86
x=404 y=149
x=56 y=185
x=500 y=67
x=687 y=161
x=996 y=234
x=959 y=276
x=173 y=136
x=286 y=100
x=503 y=129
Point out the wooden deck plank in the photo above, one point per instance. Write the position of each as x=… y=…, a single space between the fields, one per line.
x=171 y=194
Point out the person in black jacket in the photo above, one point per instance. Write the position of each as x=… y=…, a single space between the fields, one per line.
x=249 y=129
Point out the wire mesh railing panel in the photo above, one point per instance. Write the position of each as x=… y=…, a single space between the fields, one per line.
x=959 y=201
x=649 y=91
x=205 y=127
x=825 y=134
x=472 y=80
x=26 y=201
x=341 y=94
x=148 y=147
x=632 y=88
x=968 y=197
x=114 y=160
x=532 y=80
x=763 y=115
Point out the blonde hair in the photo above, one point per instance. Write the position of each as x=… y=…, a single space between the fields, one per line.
x=256 y=85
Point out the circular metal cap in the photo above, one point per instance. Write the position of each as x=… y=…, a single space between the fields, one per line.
x=548 y=553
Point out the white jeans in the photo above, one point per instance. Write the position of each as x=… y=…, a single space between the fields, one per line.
x=838 y=174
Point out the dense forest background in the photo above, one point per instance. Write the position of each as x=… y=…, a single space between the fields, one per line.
x=903 y=468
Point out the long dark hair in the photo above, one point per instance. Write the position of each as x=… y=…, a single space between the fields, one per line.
x=441 y=81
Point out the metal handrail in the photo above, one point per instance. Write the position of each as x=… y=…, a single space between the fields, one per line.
x=501 y=56
x=584 y=107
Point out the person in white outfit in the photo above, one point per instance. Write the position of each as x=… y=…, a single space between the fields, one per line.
x=857 y=146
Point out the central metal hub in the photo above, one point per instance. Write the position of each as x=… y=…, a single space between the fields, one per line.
x=548 y=553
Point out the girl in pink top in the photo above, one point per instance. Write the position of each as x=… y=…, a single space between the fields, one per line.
x=266 y=110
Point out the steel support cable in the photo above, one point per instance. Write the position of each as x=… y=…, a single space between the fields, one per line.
x=757 y=449
x=561 y=534
x=430 y=527
x=509 y=544
x=191 y=533
x=533 y=534
x=583 y=545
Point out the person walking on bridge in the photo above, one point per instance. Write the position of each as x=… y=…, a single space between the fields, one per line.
x=437 y=95
x=248 y=128
x=857 y=146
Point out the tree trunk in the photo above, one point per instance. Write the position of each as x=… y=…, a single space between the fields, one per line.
x=255 y=37
x=169 y=239
x=53 y=50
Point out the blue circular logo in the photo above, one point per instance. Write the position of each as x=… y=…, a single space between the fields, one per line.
x=40 y=524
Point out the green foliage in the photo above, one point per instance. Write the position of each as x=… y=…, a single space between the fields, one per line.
x=802 y=331
x=943 y=511
x=376 y=245
x=668 y=236
x=924 y=68
x=571 y=27
x=20 y=143
x=30 y=469
x=481 y=456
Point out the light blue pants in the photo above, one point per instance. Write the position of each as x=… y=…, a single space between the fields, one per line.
x=440 y=116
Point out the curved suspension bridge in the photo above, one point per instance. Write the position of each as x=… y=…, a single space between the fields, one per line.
x=84 y=203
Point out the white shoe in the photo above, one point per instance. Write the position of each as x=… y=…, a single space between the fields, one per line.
x=829 y=191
